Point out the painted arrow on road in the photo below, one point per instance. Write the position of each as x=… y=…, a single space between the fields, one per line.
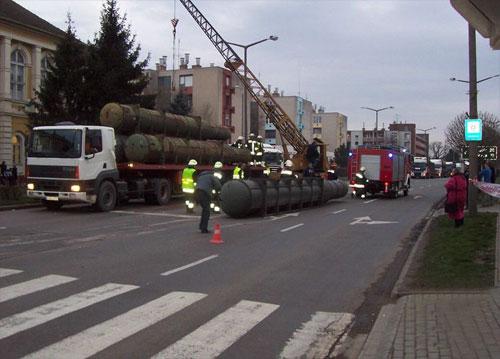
x=368 y=220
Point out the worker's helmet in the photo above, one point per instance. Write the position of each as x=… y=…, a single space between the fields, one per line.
x=192 y=162
x=259 y=138
x=218 y=165
x=251 y=135
x=240 y=138
x=362 y=169
x=288 y=163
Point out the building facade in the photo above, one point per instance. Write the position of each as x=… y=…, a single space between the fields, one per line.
x=209 y=90
x=406 y=127
x=422 y=144
x=26 y=44
x=330 y=127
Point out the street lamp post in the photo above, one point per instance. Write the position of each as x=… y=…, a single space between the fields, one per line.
x=425 y=132
x=245 y=48
x=473 y=158
x=376 y=118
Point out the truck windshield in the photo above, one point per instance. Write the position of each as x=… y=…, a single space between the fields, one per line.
x=56 y=143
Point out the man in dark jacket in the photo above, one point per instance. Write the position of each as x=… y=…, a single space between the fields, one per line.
x=206 y=184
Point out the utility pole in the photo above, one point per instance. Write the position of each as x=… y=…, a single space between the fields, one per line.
x=473 y=159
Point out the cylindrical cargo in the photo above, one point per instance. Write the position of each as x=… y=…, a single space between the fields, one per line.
x=161 y=149
x=127 y=119
x=241 y=198
x=120 y=148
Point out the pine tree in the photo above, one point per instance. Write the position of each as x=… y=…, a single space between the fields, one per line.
x=61 y=96
x=180 y=104
x=115 y=75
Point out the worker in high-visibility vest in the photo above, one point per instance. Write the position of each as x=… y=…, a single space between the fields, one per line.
x=250 y=145
x=215 y=203
x=238 y=172
x=239 y=142
x=259 y=151
x=189 y=185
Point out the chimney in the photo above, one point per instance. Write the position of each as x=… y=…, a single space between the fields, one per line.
x=282 y=93
x=198 y=62
x=268 y=88
x=276 y=92
x=186 y=56
x=183 y=65
x=162 y=66
x=212 y=64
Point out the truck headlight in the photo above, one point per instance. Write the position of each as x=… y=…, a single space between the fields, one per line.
x=31 y=186
x=75 y=188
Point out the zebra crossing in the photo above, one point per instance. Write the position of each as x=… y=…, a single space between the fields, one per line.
x=209 y=340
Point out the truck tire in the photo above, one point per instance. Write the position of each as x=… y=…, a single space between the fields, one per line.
x=106 y=197
x=51 y=205
x=161 y=192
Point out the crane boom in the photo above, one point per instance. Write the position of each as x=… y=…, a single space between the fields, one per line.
x=267 y=103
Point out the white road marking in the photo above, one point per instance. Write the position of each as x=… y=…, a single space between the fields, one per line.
x=218 y=334
x=156 y=214
x=4 y=272
x=37 y=241
x=44 y=313
x=368 y=220
x=32 y=286
x=189 y=265
x=292 y=227
x=370 y=201
x=274 y=218
x=417 y=197
x=3 y=227
x=99 y=337
x=174 y=221
x=340 y=211
x=315 y=337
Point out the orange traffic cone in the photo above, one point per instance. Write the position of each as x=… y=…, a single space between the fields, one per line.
x=216 y=238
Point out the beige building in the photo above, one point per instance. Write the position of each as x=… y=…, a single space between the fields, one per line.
x=209 y=90
x=26 y=42
x=330 y=127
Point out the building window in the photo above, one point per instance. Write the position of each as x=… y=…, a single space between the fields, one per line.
x=93 y=142
x=227 y=121
x=189 y=101
x=163 y=82
x=44 y=67
x=270 y=134
x=317 y=120
x=316 y=131
x=18 y=153
x=17 y=75
x=186 y=81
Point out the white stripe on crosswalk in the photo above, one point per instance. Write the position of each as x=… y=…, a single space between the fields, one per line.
x=44 y=313
x=189 y=265
x=218 y=334
x=32 y=286
x=315 y=337
x=103 y=335
x=4 y=272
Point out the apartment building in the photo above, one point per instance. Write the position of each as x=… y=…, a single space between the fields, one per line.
x=380 y=137
x=406 y=127
x=330 y=127
x=209 y=90
x=26 y=43
x=421 y=144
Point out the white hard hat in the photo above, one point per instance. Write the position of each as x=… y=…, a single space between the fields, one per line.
x=288 y=163
x=240 y=138
x=192 y=163
x=259 y=137
x=218 y=164
x=251 y=135
x=362 y=169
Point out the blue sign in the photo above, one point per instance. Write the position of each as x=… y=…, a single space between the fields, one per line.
x=473 y=129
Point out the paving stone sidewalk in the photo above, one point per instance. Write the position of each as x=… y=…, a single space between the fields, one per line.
x=439 y=325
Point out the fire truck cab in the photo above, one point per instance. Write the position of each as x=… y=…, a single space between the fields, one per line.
x=387 y=170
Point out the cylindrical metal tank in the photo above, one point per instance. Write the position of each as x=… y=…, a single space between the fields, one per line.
x=127 y=119
x=240 y=198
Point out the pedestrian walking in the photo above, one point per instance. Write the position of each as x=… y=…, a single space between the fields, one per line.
x=485 y=174
x=456 y=195
x=206 y=184
x=493 y=172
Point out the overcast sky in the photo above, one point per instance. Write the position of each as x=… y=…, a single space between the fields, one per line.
x=338 y=54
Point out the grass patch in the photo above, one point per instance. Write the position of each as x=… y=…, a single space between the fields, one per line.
x=458 y=258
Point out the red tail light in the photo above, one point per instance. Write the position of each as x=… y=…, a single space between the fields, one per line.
x=77 y=172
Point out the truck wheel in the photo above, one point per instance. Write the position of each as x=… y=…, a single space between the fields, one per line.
x=52 y=206
x=161 y=192
x=106 y=197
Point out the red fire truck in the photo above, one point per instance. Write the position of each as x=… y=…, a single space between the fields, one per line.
x=387 y=170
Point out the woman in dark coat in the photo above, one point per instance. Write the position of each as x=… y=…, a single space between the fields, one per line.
x=456 y=193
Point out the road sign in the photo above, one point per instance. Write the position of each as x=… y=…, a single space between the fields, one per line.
x=483 y=152
x=473 y=129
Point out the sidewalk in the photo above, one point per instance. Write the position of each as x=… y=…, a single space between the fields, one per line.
x=440 y=324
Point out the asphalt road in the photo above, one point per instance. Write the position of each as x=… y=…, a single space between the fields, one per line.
x=142 y=280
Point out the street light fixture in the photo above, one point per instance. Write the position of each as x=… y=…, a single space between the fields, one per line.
x=245 y=48
x=376 y=118
x=467 y=82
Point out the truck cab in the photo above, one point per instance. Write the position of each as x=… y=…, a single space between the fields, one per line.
x=71 y=164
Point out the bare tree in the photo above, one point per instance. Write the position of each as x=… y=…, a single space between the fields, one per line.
x=438 y=149
x=455 y=132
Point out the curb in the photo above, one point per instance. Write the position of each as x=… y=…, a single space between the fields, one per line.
x=20 y=206
x=396 y=290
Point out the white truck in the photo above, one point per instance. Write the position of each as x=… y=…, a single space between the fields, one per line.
x=78 y=164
